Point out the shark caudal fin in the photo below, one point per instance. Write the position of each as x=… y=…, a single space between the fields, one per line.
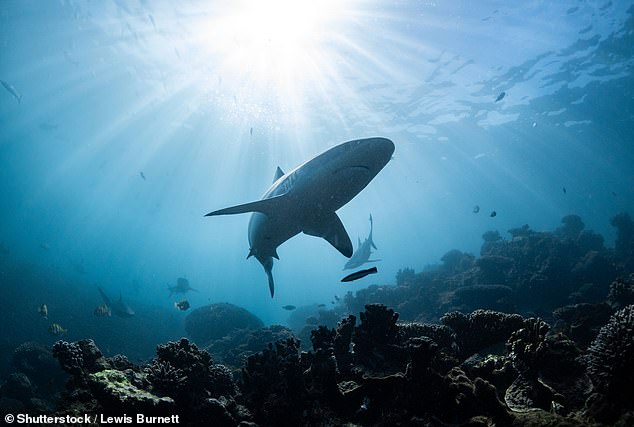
x=329 y=227
x=265 y=206
x=269 y=274
x=370 y=237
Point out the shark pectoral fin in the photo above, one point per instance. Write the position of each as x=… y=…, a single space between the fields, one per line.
x=373 y=245
x=329 y=227
x=266 y=206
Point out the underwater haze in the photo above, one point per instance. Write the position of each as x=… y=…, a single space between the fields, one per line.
x=122 y=123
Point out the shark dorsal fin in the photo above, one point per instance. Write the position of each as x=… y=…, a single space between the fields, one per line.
x=266 y=206
x=278 y=174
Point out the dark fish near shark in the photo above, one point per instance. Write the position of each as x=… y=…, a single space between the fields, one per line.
x=289 y=307
x=500 y=97
x=56 y=330
x=182 y=305
x=119 y=308
x=102 y=311
x=43 y=310
x=306 y=199
x=359 y=274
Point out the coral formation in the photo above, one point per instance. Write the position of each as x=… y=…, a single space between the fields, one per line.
x=621 y=292
x=164 y=378
x=215 y=321
x=481 y=329
x=550 y=350
x=610 y=364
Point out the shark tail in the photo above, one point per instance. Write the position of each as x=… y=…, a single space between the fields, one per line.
x=370 y=237
x=271 y=283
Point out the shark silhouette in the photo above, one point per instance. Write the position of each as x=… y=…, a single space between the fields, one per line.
x=182 y=287
x=306 y=199
x=120 y=308
x=363 y=252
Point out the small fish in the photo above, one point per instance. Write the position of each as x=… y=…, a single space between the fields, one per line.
x=102 y=311
x=289 y=307
x=500 y=97
x=321 y=305
x=251 y=132
x=57 y=330
x=614 y=193
x=337 y=298
x=564 y=190
x=332 y=302
x=43 y=310
x=359 y=274
x=152 y=21
x=493 y=214
x=12 y=91
x=476 y=209
x=182 y=305
x=142 y=175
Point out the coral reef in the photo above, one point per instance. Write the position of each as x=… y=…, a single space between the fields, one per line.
x=164 y=378
x=273 y=385
x=610 y=365
x=581 y=322
x=481 y=329
x=117 y=394
x=548 y=350
x=234 y=348
x=215 y=321
x=624 y=245
x=621 y=292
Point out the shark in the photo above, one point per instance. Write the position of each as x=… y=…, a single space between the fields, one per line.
x=363 y=252
x=305 y=200
x=182 y=287
x=120 y=308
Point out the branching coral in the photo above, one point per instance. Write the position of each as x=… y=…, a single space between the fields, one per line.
x=481 y=329
x=165 y=379
x=610 y=358
x=70 y=357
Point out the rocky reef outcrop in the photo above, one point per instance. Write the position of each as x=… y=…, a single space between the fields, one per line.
x=215 y=321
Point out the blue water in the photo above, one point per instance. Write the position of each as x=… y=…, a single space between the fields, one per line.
x=207 y=98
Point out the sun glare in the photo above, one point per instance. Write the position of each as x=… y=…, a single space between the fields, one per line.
x=275 y=41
